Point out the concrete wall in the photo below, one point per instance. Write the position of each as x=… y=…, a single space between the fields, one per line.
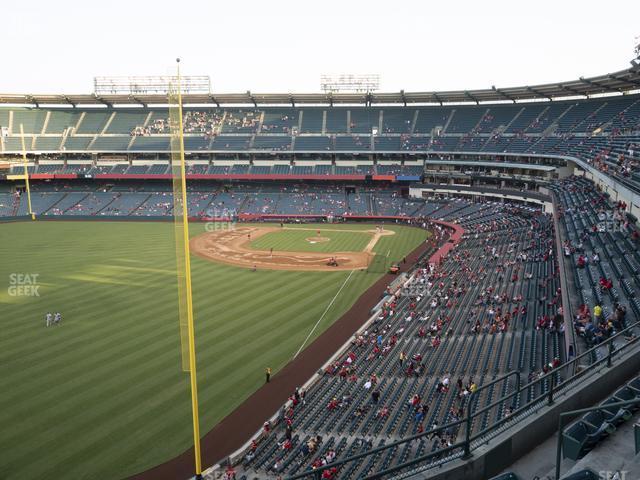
x=565 y=171
x=419 y=192
x=615 y=189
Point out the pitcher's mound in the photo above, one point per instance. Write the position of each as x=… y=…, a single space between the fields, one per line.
x=318 y=239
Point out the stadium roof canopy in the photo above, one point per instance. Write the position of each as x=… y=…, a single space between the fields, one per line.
x=624 y=81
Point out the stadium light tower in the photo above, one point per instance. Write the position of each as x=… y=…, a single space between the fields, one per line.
x=349 y=82
x=636 y=61
x=150 y=85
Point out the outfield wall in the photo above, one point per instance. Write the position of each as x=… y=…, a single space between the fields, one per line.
x=225 y=177
x=14 y=219
x=244 y=217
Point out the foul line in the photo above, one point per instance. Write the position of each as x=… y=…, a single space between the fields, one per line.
x=323 y=314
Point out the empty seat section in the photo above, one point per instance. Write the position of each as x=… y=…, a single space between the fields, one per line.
x=312 y=120
x=319 y=143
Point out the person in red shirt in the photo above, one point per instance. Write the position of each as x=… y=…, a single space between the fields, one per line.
x=330 y=473
x=230 y=473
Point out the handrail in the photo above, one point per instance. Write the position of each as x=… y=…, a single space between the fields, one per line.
x=474 y=398
x=548 y=395
x=567 y=308
x=580 y=411
x=376 y=450
x=414 y=461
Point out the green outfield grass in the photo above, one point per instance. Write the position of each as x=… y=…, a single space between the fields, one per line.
x=295 y=240
x=103 y=396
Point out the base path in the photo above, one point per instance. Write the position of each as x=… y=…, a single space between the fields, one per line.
x=233 y=247
x=241 y=424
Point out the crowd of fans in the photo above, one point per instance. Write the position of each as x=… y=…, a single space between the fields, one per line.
x=283 y=124
x=206 y=123
x=243 y=120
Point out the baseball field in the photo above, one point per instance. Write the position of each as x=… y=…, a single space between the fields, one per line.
x=102 y=395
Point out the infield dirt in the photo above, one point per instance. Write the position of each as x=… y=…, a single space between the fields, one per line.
x=233 y=247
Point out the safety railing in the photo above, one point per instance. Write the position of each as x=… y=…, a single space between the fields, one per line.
x=567 y=308
x=548 y=386
x=573 y=413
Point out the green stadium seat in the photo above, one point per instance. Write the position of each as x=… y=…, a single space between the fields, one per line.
x=615 y=415
x=578 y=439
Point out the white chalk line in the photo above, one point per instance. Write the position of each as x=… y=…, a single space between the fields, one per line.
x=323 y=314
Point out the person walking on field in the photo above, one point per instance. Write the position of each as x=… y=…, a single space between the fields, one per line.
x=268 y=374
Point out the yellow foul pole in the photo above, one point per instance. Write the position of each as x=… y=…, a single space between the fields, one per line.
x=26 y=173
x=187 y=285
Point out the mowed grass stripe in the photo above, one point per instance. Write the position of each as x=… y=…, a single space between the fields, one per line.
x=291 y=313
x=120 y=319
x=89 y=400
x=100 y=361
x=332 y=226
x=399 y=245
x=116 y=404
x=116 y=339
x=134 y=306
x=128 y=407
x=51 y=353
x=83 y=381
x=272 y=302
x=261 y=332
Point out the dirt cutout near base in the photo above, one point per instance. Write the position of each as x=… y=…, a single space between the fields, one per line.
x=313 y=240
x=233 y=247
